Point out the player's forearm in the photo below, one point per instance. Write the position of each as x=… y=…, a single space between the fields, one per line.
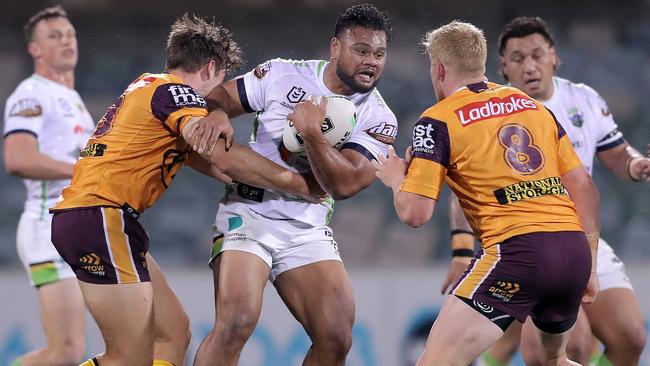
x=37 y=166
x=618 y=160
x=246 y=166
x=412 y=209
x=332 y=170
x=457 y=219
x=220 y=99
x=462 y=235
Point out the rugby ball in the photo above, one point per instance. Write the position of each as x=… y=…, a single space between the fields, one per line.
x=340 y=119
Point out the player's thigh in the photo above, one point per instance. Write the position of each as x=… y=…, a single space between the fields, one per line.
x=124 y=315
x=239 y=281
x=319 y=295
x=459 y=335
x=63 y=312
x=616 y=312
x=171 y=321
x=506 y=347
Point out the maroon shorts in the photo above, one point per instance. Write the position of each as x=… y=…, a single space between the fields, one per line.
x=542 y=274
x=103 y=245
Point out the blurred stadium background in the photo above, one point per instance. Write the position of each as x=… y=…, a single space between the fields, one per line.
x=396 y=271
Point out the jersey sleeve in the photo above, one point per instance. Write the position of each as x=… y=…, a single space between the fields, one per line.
x=252 y=87
x=567 y=157
x=431 y=158
x=175 y=104
x=607 y=133
x=373 y=134
x=25 y=113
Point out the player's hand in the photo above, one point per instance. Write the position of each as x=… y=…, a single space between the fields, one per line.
x=307 y=117
x=316 y=194
x=208 y=130
x=391 y=170
x=592 y=289
x=219 y=175
x=640 y=167
x=457 y=266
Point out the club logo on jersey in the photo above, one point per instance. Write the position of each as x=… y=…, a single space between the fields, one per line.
x=493 y=108
x=92 y=264
x=261 y=69
x=529 y=189
x=93 y=150
x=504 y=290
x=296 y=94
x=184 y=96
x=383 y=132
x=26 y=108
x=576 y=117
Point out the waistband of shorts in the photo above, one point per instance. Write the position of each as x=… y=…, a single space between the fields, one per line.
x=126 y=208
x=256 y=194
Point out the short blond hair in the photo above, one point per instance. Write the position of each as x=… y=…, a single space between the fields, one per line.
x=461 y=47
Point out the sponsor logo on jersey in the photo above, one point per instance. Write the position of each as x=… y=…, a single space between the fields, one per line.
x=92 y=264
x=93 y=150
x=383 y=132
x=504 y=290
x=423 y=138
x=529 y=189
x=184 y=96
x=576 y=117
x=26 y=108
x=493 y=108
x=296 y=94
x=261 y=69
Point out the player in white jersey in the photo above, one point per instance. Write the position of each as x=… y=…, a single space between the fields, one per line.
x=267 y=236
x=45 y=126
x=528 y=62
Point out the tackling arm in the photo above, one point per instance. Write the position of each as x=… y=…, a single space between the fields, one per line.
x=626 y=163
x=22 y=158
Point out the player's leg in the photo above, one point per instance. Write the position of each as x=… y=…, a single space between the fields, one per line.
x=60 y=301
x=459 y=335
x=617 y=322
x=125 y=317
x=171 y=324
x=579 y=342
x=239 y=281
x=320 y=296
x=615 y=316
x=505 y=348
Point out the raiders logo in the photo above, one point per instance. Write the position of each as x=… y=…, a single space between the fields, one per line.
x=262 y=69
x=26 y=108
x=383 y=132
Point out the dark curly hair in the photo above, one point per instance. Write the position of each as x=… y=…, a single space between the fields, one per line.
x=45 y=14
x=364 y=15
x=524 y=26
x=193 y=42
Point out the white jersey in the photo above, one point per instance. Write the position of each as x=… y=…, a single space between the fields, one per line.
x=586 y=119
x=57 y=117
x=272 y=89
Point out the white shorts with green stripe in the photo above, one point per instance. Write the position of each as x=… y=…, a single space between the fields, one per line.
x=43 y=263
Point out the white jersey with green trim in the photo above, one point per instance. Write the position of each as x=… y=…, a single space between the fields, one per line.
x=272 y=90
x=57 y=117
x=585 y=117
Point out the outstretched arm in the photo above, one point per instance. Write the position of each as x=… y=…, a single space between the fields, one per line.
x=626 y=163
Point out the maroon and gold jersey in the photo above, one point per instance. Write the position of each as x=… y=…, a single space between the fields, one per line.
x=137 y=147
x=503 y=154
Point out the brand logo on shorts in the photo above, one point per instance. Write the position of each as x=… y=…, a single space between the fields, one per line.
x=504 y=290
x=93 y=265
x=483 y=307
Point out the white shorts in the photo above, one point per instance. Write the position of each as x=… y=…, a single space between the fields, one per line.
x=282 y=244
x=610 y=269
x=37 y=253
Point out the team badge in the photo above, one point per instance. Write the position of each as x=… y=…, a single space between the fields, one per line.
x=26 y=108
x=296 y=94
x=576 y=117
x=262 y=69
x=383 y=132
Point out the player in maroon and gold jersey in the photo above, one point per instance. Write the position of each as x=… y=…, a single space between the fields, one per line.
x=128 y=163
x=510 y=163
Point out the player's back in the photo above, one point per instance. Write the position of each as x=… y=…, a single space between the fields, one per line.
x=506 y=155
x=137 y=146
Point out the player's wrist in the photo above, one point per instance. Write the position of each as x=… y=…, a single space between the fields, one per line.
x=631 y=171
x=462 y=243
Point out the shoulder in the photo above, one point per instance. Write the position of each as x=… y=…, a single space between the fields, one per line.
x=280 y=67
x=574 y=89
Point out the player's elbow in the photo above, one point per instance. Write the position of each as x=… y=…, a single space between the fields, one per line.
x=342 y=193
x=12 y=165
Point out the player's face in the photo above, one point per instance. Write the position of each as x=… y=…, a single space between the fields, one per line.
x=529 y=64
x=359 y=55
x=54 y=44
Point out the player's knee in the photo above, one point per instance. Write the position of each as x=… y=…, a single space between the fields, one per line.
x=631 y=340
x=236 y=326
x=177 y=332
x=68 y=355
x=580 y=346
x=336 y=341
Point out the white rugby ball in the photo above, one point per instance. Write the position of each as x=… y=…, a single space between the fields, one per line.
x=340 y=119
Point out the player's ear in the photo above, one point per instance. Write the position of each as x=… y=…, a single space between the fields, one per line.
x=34 y=50
x=554 y=57
x=502 y=66
x=441 y=72
x=335 y=48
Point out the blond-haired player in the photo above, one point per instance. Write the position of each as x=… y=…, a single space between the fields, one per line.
x=509 y=161
x=45 y=126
